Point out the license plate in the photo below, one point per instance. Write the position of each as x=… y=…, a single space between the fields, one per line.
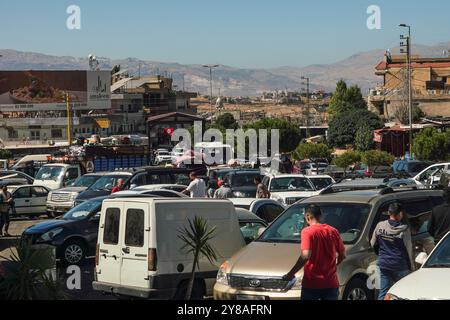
x=246 y=298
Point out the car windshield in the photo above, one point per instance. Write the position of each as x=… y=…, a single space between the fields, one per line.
x=107 y=183
x=440 y=258
x=50 y=173
x=83 y=210
x=243 y=179
x=321 y=183
x=348 y=218
x=290 y=184
x=85 y=181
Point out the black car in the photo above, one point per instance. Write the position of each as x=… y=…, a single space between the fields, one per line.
x=75 y=234
x=242 y=183
x=133 y=179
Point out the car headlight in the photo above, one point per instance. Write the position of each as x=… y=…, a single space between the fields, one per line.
x=73 y=196
x=222 y=276
x=50 y=235
x=239 y=194
x=392 y=297
x=295 y=284
x=49 y=196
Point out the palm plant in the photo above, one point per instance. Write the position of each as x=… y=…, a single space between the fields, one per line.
x=27 y=275
x=196 y=240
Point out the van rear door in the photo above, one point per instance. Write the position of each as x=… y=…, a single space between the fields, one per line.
x=134 y=244
x=108 y=268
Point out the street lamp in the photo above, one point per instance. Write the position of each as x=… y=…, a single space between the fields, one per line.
x=410 y=97
x=211 y=67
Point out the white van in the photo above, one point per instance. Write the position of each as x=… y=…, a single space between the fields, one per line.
x=140 y=255
x=56 y=176
x=431 y=175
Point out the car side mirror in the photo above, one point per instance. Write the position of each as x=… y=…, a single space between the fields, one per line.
x=261 y=231
x=422 y=258
x=133 y=186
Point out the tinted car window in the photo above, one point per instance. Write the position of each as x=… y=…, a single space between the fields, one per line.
x=269 y=212
x=250 y=230
x=134 y=230
x=112 y=223
x=39 y=192
x=23 y=193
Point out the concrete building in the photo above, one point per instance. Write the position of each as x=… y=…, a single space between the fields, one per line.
x=430 y=83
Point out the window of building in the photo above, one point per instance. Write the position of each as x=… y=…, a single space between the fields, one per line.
x=35 y=135
x=13 y=134
x=57 y=133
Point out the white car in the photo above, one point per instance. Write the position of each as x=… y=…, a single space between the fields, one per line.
x=431 y=281
x=163 y=157
x=289 y=188
x=266 y=209
x=29 y=200
x=321 y=182
x=431 y=174
x=152 y=187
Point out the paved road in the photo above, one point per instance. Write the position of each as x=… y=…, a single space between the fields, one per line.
x=17 y=226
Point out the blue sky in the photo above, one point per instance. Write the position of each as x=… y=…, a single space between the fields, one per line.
x=240 y=33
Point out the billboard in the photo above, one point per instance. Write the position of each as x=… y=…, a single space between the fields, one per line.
x=47 y=90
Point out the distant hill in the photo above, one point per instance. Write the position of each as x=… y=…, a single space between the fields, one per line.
x=357 y=69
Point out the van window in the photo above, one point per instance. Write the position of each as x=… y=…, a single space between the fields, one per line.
x=112 y=223
x=134 y=230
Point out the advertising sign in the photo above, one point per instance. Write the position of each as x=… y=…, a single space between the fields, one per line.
x=46 y=90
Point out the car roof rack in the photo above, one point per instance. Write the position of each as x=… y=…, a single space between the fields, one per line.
x=334 y=188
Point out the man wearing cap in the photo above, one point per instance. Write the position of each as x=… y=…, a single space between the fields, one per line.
x=392 y=242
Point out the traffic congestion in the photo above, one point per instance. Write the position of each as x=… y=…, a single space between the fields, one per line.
x=122 y=217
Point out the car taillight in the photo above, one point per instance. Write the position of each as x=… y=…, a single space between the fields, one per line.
x=152 y=259
x=97 y=254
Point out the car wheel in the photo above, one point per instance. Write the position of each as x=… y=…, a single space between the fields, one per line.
x=357 y=290
x=197 y=291
x=73 y=253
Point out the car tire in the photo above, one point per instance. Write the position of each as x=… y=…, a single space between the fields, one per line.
x=357 y=290
x=197 y=291
x=73 y=252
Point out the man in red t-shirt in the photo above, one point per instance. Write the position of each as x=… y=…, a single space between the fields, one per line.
x=118 y=187
x=322 y=250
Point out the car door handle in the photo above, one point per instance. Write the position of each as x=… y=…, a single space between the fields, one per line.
x=126 y=250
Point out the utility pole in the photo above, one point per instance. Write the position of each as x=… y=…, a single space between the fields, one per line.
x=410 y=94
x=211 y=67
x=69 y=122
x=307 y=112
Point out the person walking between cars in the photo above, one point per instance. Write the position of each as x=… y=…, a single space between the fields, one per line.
x=439 y=224
x=197 y=187
x=6 y=202
x=261 y=189
x=119 y=186
x=392 y=242
x=212 y=185
x=224 y=192
x=321 y=244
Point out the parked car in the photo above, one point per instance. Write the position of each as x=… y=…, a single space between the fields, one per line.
x=321 y=182
x=242 y=183
x=29 y=200
x=255 y=273
x=431 y=281
x=266 y=209
x=289 y=188
x=154 y=192
x=335 y=172
x=432 y=174
x=12 y=182
x=57 y=175
x=62 y=200
x=17 y=176
x=134 y=259
x=163 y=157
x=172 y=187
x=410 y=168
x=362 y=170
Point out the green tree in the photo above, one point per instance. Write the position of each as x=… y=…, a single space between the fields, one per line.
x=290 y=135
x=27 y=275
x=347 y=159
x=345 y=99
x=196 y=241
x=343 y=127
x=5 y=154
x=364 y=138
x=311 y=151
x=432 y=145
x=377 y=158
x=227 y=121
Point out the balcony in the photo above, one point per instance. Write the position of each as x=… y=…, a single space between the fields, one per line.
x=26 y=122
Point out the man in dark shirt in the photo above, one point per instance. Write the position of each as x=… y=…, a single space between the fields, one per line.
x=439 y=224
x=392 y=240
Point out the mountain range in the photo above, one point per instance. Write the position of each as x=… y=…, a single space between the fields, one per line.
x=357 y=69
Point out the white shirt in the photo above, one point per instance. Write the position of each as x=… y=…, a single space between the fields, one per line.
x=197 y=188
